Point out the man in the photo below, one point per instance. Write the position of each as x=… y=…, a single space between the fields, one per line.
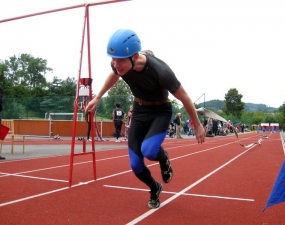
x=192 y=131
x=118 y=116
x=150 y=81
x=215 y=127
x=178 y=125
x=88 y=118
x=1 y=98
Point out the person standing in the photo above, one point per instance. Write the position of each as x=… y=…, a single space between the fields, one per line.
x=215 y=127
x=1 y=101
x=150 y=80
x=192 y=131
x=118 y=116
x=88 y=120
x=178 y=125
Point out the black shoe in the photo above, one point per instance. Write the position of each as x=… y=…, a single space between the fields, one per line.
x=166 y=170
x=1 y=157
x=153 y=202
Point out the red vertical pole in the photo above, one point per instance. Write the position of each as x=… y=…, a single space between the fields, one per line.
x=76 y=106
x=90 y=91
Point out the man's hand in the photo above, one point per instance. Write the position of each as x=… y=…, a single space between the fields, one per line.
x=91 y=105
x=200 y=133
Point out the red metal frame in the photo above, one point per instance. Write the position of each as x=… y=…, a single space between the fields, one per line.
x=87 y=83
x=80 y=81
x=62 y=9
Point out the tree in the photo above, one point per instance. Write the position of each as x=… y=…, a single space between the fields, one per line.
x=282 y=116
x=60 y=96
x=233 y=104
x=257 y=118
x=26 y=70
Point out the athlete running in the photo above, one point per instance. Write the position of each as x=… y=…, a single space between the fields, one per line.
x=150 y=81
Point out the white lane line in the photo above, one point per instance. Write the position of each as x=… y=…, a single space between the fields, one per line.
x=102 y=178
x=187 y=194
x=148 y=213
x=38 y=195
x=32 y=177
x=56 y=167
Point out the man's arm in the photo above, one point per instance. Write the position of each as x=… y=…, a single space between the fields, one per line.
x=109 y=82
x=182 y=95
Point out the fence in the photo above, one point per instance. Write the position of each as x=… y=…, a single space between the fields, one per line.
x=49 y=128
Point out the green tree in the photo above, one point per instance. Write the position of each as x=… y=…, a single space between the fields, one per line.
x=119 y=93
x=282 y=115
x=14 y=111
x=257 y=118
x=60 y=96
x=233 y=104
x=269 y=118
x=26 y=70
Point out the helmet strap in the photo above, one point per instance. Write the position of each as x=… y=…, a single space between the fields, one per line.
x=132 y=62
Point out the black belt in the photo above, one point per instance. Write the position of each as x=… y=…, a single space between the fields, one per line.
x=151 y=103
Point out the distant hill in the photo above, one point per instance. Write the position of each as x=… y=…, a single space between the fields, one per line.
x=248 y=107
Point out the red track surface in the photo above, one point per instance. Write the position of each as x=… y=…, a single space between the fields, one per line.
x=218 y=182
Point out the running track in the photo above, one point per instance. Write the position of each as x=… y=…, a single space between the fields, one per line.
x=218 y=182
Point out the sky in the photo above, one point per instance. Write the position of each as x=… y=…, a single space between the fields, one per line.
x=211 y=45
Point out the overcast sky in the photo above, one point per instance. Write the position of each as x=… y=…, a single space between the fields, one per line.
x=211 y=45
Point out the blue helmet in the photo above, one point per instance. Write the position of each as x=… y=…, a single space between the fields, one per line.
x=123 y=43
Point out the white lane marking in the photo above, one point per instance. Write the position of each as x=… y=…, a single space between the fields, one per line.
x=187 y=194
x=102 y=178
x=38 y=195
x=56 y=167
x=148 y=213
x=32 y=177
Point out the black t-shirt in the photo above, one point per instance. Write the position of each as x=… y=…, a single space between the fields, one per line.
x=119 y=114
x=153 y=82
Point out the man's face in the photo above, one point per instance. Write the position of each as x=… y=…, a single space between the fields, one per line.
x=122 y=65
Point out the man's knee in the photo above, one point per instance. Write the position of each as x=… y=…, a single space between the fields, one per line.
x=149 y=151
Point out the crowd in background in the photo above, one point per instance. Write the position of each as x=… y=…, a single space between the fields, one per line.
x=213 y=127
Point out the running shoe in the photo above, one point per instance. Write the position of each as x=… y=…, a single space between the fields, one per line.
x=153 y=202
x=166 y=169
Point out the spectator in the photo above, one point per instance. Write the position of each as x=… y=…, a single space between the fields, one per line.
x=118 y=116
x=88 y=120
x=215 y=127
x=177 y=121
x=242 y=127
x=186 y=126
x=191 y=131
x=223 y=132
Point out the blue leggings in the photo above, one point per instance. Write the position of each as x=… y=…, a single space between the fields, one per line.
x=146 y=134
